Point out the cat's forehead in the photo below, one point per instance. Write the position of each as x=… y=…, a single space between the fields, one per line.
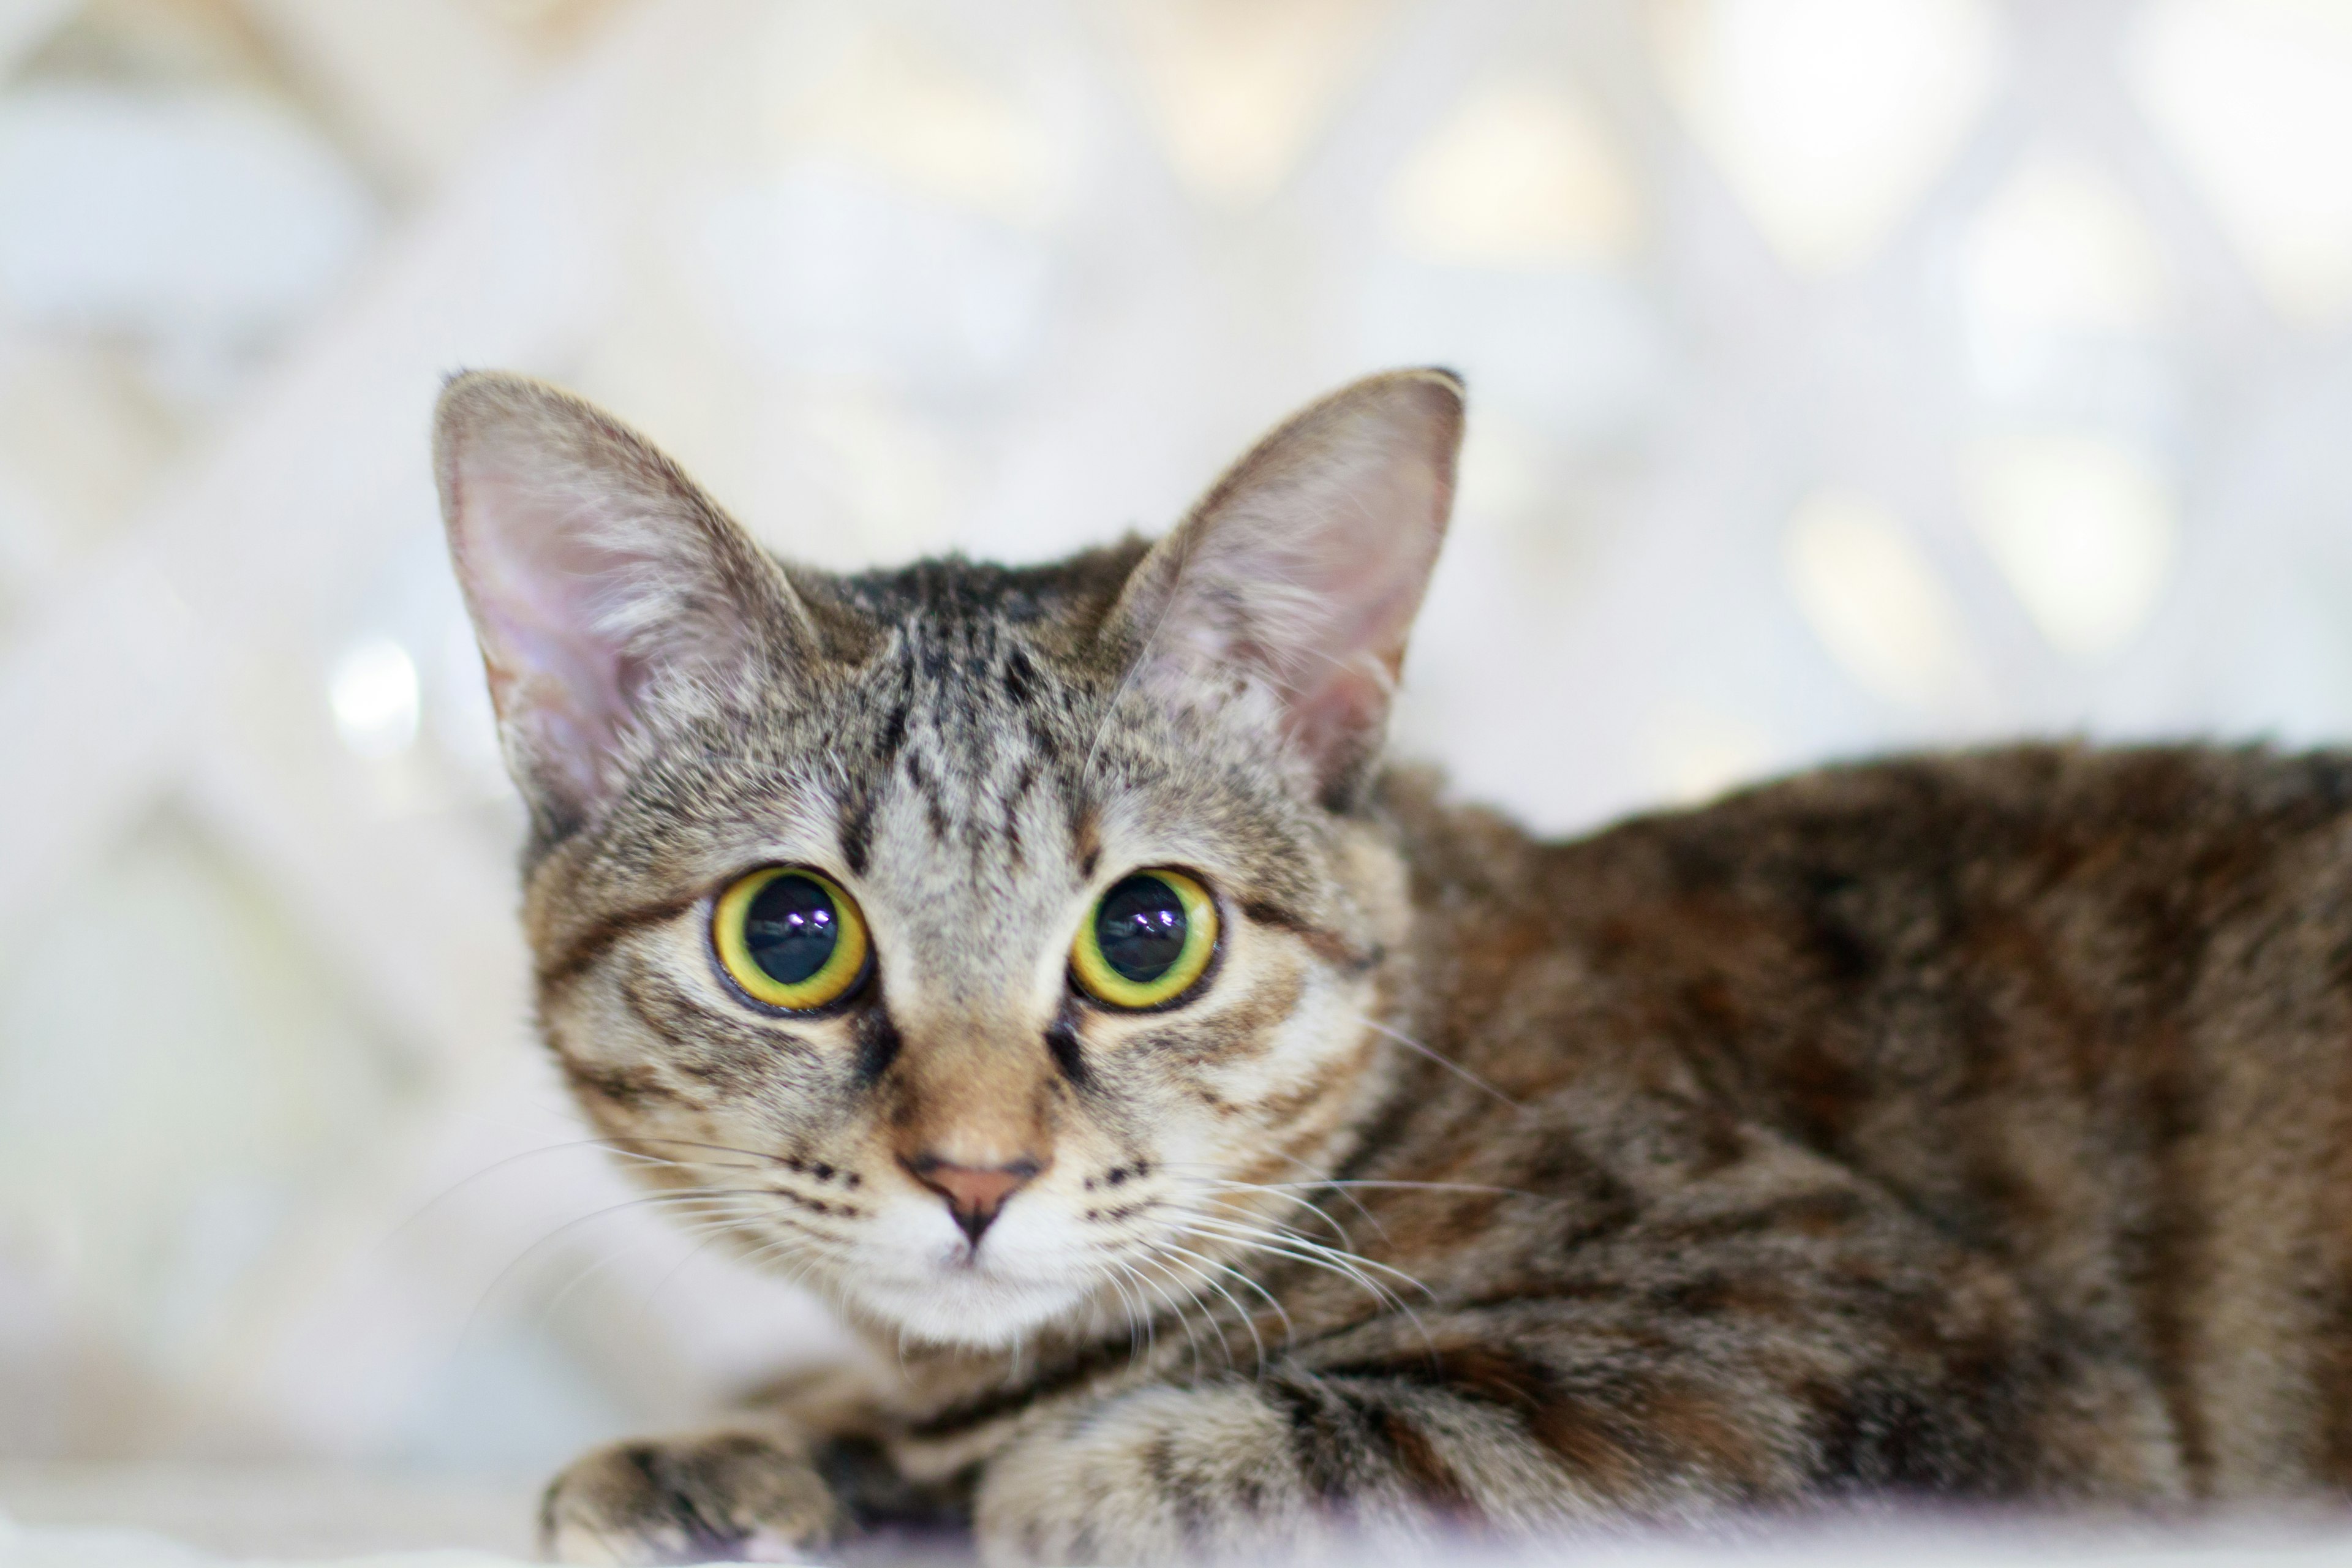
x=969 y=737
x=965 y=734
x=970 y=744
x=1062 y=602
x=978 y=683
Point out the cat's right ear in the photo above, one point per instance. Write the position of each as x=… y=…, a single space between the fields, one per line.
x=1295 y=580
x=599 y=578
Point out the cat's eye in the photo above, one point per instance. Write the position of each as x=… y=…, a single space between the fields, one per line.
x=1147 y=940
x=791 y=938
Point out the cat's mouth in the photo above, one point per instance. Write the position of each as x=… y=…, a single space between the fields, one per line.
x=967 y=1303
x=983 y=1294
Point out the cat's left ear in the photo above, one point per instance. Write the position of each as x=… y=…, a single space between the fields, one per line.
x=1298 y=575
x=602 y=584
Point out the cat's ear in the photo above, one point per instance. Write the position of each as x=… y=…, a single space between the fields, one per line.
x=599 y=578
x=1297 y=575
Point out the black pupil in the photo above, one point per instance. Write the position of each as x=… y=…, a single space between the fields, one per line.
x=1139 y=926
x=791 y=929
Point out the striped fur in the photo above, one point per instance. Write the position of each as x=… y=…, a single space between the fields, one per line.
x=1964 y=1128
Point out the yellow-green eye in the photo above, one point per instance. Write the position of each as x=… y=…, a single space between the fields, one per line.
x=789 y=938
x=1149 y=939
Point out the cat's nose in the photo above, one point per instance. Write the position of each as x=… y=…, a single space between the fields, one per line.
x=975 y=1194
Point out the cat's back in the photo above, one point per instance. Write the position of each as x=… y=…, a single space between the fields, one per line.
x=2087 y=1010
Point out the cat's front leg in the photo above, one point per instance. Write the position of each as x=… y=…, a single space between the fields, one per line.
x=804 y=1468
x=761 y=1494
x=1159 y=1474
x=1287 y=1465
x=748 y=1493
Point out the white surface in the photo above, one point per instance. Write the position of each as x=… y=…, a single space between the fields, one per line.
x=182 y=1517
x=94 y=1514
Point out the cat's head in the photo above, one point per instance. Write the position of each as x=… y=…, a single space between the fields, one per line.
x=984 y=945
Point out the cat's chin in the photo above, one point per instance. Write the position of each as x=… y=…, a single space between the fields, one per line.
x=967 y=1307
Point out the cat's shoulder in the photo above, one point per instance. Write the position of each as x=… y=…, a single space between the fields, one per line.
x=1931 y=802
x=2171 y=787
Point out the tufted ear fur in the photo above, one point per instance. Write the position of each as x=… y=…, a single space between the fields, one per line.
x=599 y=579
x=1295 y=580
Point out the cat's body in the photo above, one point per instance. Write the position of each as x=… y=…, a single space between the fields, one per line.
x=1968 y=1127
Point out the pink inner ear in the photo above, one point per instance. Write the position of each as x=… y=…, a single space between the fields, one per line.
x=544 y=587
x=1305 y=565
x=590 y=564
x=1364 y=563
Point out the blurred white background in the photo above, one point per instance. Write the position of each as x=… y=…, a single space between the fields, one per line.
x=1846 y=375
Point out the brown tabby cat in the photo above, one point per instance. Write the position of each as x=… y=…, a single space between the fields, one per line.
x=1238 y=1149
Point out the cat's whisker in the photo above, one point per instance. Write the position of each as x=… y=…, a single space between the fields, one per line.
x=495 y=1167
x=1345 y=1268
x=1292 y=1190
x=664 y=1199
x=1130 y=1308
x=1299 y=1250
x=1175 y=1304
x=702 y=1230
x=766 y=1161
x=1200 y=1279
x=619 y=1149
x=1191 y=1270
x=1290 y=1238
x=1299 y=1203
x=791 y=1253
x=1132 y=1275
x=1448 y=1063
x=1340 y=1182
x=1358 y=1204
x=1210 y=1267
x=757 y=1258
x=1387 y=1298
x=1141 y=1306
x=1211 y=1175
x=780 y=1254
x=1289 y=1329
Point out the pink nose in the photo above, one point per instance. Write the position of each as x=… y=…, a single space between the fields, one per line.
x=975 y=1194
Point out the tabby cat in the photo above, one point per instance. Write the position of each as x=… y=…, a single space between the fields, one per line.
x=1233 y=1148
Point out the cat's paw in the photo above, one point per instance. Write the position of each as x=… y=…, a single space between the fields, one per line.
x=745 y=1496
x=1155 y=1476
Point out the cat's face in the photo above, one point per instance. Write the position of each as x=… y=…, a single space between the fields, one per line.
x=986 y=947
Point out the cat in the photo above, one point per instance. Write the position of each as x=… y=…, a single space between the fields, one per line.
x=1236 y=1150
